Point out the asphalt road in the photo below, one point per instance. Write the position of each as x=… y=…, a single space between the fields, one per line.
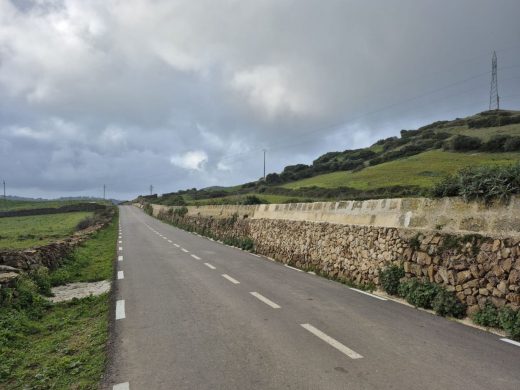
x=183 y=322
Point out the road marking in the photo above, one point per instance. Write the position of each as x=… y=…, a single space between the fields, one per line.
x=234 y=281
x=511 y=342
x=367 y=293
x=311 y=272
x=120 y=248
x=120 y=242
x=195 y=257
x=253 y=254
x=209 y=265
x=170 y=241
x=296 y=269
x=121 y=386
x=119 y=258
x=332 y=342
x=120 y=309
x=184 y=250
x=264 y=300
x=177 y=245
x=120 y=275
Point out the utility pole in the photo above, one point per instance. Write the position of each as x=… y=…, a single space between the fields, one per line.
x=494 y=100
x=5 y=198
x=264 y=163
x=151 y=189
x=104 y=191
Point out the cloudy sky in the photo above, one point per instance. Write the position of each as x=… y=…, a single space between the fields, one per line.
x=187 y=93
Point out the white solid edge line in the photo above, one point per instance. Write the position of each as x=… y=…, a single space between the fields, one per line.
x=232 y=280
x=184 y=250
x=177 y=245
x=332 y=342
x=121 y=386
x=120 y=309
x=119 y=258
x=209 y=265
x=367 y=293
x=265 y=300
x=311 y=272
x=195 y=257
x=120 y=275
x=511 y=342
x=254 y=254
x=296 y=269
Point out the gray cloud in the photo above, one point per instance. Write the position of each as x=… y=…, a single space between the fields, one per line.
x=186 y=93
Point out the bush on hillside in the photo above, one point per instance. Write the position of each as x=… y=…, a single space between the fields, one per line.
x=495 y=143
x=512 y=144
x=463 y=143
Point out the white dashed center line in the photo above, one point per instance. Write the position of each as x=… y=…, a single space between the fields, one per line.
x=195 y=257
x=332 y=342
x=120 y=275
x=234 y=281
x=209 y=265
x=120 y=248
x=296 y=269
x=177 y=245
x=121 y=386
x=170 y=241
x=184 y=250
x=119 y=258
x=264 y=300
x=120 y=242
x=120 y=309
x=367 y=293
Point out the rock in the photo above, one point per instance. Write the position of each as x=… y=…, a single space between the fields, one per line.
x=483 y=291
x=7 y=277
x=6 y=268
x=496 y=245
x=463 y=276
x=502 y=287
x=473 y=309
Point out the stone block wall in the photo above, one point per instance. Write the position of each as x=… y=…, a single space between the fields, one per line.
x=476 y=268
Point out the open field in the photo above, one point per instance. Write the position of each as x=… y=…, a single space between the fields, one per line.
x=29 y=231
x=485 y=133
x=421 y=170
x=59 y=346
x=33 y=204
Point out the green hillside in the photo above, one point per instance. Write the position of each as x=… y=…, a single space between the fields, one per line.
x=421 y=170
x=406 y=165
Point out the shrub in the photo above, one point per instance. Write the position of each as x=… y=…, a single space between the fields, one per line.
x=448 y=186
x=148 y=209
x=180 y=212
x=85 y=223
x=488 y=316
x=512 y=144
x=251 y=200
x=495 y=143
x=406 y=287
x=390 y=278
x=462 y=143
x=40 y=276
x=446 y=303
x=423 y=295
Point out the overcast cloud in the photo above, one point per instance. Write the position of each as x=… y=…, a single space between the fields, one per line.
x=183 y=94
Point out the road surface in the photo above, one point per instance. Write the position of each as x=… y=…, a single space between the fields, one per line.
x=191 y=313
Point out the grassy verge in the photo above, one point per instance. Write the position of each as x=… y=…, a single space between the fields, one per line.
x=58 y=346
x=35 y=230
x=90 y=262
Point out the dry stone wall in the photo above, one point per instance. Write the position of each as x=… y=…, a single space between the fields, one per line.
x=477 y=268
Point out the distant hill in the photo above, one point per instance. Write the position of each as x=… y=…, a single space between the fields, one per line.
x=405 y=165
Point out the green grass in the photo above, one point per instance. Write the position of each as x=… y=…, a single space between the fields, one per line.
x=485 y=133
x=33 y=204
x=236 y=198
x=30 y=231
x=90 y=262
x=59 y=346
x=422 y=170
x=63 y=348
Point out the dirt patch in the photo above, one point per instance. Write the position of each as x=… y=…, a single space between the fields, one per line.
x=79 y=290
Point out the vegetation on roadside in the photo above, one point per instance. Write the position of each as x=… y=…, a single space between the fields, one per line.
x=36 y=230
x=483 y=184
x=55 y=346
x=503 y=318
x=11 y=204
